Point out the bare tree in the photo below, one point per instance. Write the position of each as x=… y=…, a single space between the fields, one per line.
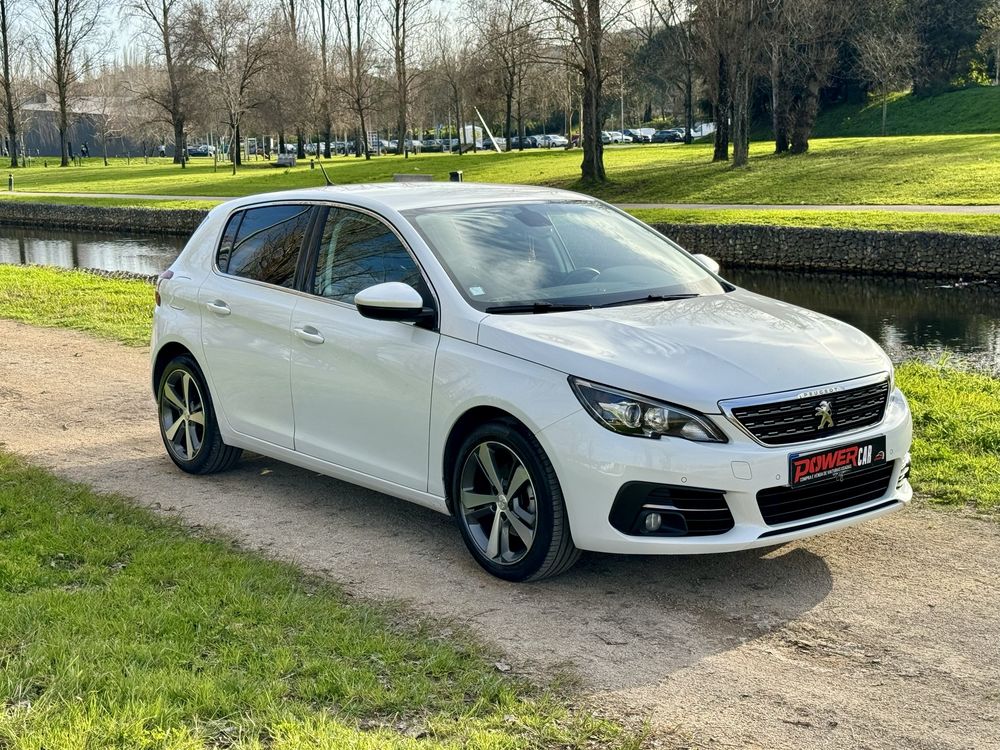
x=509 y=43
x=326 y=93
x=68 y=30
x=8 y=46
x=234 y=46
x=803 y=39
x=162 y=28
x=358 y=84
x=588 y=21
x=108 y=109
x=887 y=52
x=678 y=31
x=404 y=19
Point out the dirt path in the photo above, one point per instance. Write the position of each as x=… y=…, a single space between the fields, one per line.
x=883 y=636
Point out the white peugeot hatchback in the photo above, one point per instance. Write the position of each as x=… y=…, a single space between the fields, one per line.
x=552 y=372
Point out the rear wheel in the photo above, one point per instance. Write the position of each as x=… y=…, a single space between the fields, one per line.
x=188 y=425
x=509 y=504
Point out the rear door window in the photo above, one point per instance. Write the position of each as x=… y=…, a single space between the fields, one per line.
x=263 y=243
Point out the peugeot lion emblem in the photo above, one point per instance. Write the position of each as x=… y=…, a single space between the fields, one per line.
x=825 y=413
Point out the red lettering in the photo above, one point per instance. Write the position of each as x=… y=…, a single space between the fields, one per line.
x=801 y=468
x=853 y=452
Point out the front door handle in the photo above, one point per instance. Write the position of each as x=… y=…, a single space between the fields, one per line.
x=218 y=307
x=310 y=334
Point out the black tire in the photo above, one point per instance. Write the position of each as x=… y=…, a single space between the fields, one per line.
x=193 y=447
x=510 y=445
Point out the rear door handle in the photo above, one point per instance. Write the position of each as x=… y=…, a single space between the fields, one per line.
x=218 y=307
x=310 y=334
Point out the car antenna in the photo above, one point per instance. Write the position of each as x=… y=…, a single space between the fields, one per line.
x=329 y=182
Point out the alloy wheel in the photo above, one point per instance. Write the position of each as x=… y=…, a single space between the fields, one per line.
x=182 y=414
x=499 y=504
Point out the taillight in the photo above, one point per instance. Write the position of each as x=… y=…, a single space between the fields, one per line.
x=168 y=274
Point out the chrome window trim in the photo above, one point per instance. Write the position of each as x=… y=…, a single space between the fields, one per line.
x=728 y=405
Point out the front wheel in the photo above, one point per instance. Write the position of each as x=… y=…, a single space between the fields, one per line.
x=509 y=504
x=188 y=425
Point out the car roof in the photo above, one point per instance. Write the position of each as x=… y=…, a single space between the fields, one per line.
x=402 y=196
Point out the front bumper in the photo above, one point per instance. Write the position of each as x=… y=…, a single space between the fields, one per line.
x=593 y=464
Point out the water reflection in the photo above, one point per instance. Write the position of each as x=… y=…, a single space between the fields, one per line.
x=908 y=317
x=136 y=254
x=926 y=317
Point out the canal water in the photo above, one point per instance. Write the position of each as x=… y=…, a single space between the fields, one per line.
x=910 y=317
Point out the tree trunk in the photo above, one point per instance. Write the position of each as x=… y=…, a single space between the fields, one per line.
x=63 y=128
x=779 y=117
x=688 y=103
x=8 y=89
x=235 y=150
x=300 y=149
x=592 y=166
x=885 y=109
x=720 y=111
x=178 y=140
x=805 y=116
x=509 y=117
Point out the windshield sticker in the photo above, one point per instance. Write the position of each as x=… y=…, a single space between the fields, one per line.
x=476 y=291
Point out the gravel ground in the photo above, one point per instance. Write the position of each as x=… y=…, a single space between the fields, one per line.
x=886 y=635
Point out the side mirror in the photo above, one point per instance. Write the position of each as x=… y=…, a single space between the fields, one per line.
x=393 y=300
x=710 y=263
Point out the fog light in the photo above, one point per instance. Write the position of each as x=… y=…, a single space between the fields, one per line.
x=652 y=522
x=904 y=474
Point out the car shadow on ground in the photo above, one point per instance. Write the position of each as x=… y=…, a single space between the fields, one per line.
x=614 y=621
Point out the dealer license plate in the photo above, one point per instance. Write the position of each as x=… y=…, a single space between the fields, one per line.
x=835 y=462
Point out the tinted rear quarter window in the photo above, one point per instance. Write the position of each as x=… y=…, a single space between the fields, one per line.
x=265 y=243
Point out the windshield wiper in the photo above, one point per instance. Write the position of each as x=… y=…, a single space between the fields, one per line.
x=650 y=298
x=537 y=307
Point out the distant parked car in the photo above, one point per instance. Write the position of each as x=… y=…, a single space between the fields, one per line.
x=641 y=135
x=202 y=150
x=667 y=136
x=500 y=143
x=551 y=141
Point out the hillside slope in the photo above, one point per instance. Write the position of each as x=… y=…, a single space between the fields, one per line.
x=968 y=111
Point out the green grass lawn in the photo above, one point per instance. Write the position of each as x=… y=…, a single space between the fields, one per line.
x=971 y=110
x=121 y=631
x=110 y=308
x=956 y=414
x=896 y=221
x=110 y=202
x=883 y=171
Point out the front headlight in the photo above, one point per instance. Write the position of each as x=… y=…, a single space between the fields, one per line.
x=629 y=414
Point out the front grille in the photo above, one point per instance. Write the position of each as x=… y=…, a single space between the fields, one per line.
x=688 y=511
x=785 y=504
x=796 y=420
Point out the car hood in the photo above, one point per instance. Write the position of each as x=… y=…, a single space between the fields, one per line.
x=692 y=352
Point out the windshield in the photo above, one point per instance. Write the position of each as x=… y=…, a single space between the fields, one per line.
x=543 y=257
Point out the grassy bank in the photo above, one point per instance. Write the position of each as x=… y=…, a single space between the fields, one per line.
x=119 y=630
x=956 y=414
x=109 y=308
x=886 y=221
x=956 y=447
x=971 y=110
x=921 y=170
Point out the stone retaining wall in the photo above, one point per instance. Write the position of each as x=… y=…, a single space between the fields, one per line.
x=933 y=254
x=112 y=219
